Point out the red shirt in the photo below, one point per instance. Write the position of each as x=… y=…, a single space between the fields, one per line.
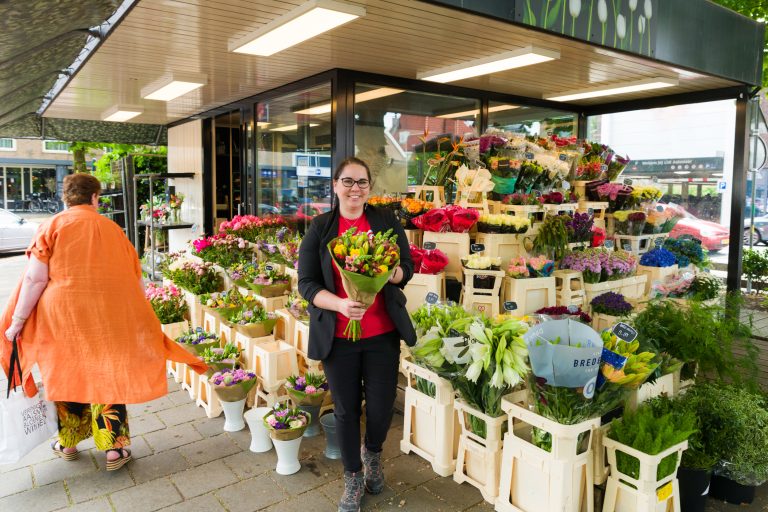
x=376 y=319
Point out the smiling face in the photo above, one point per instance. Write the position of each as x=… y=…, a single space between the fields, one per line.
x=354 y=197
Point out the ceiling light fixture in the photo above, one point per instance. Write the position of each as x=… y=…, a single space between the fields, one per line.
x=325 y=108
x=614 y=89
x=509 y=60
x=292 y=127
x=476 y=112
x=121 y=113
x=173 y=85
x=305 y=22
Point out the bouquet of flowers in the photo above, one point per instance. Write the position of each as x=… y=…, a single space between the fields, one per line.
x=565 y=313
x=539 y=266
x=611 y=303
x=617 y=195
x=288 y=245
x=658 y=257
x=687 y=251
x=251 y=227
x=461 y=219
x=430 y=261
x=297 y=306
x=232 y=385
x=222 y=249
x=598 y=236
x=286 y=423
x=434 y=220
x=530 y=174
x=198 y=278
x=265 y=279
x=176 y=201
x=580 y=227
x=196 y=341
x=645 y=195
x=616 y=166
x=167 y=302
x=502 y=223
x=219 y=359
x=385 y=202
x=674 y=286
x=105 y=204
x=590 y=168
x=365 y=262
x=226 y=301
x=629 y=222
x=599 y=265
x=252 y=320
x=309 y=389
x=478 y=262
x=410 y=208
x=522 y=199
x=518 y=269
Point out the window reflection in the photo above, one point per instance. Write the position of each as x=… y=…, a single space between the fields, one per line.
x=534 y=121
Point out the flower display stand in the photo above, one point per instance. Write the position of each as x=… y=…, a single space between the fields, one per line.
x=645 y=493
x=268 y=395
x=405 y=355
x=301 y=338
x=195 y=308
x=478 y=460
x=557 y=209
x=536 y=480
x=225 y=279
x=420 y=285
x=294 y=275
x=632 y=287
x=260 y=440
x=601 y=321
x=655 y=275
x=664 y=385
x=274 y=361
x=284 y=326
x=226 y=333
x=598 y=209
x=484 y=301
x=174 y=370
x=207 y=399
x=534 y=213
x=454 y=245
x=635 y=244
x=189 y=381
x=530 y=294
x=430 y=428
x=414 y=236
x=501 y=245
x=175 y=329
x=569 y=285
x=599 y=457
x=433 y=194
x=473 y=199
x=246 y=344
x=580 y=188
x=271 y=304
x=211 y=320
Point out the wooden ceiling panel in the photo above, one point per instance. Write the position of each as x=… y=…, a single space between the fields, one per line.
x=400 y=38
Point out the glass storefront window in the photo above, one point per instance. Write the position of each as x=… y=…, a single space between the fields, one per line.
x=293 y=135
x=397 y=131
x=13 y=189
x=534 y=121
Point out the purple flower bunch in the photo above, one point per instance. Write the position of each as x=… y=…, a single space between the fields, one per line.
x=283 y=417
x=230 y=377
x=599 y=265
x=611 y=303
x=580 y=227
x=488 y=142
x=310 y=384
x=617 y=264
x=196 y=337
x=658 y=257
x=587 y=262
x=636 y=217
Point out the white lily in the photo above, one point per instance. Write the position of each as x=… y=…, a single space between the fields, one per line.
x=641 y=24
x=602 y=11
x=632 y=5
x=648 y=8
x=497 y=381
x=474 y=370
x=621 y=26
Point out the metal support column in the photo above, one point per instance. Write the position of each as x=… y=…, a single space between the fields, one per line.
x=738 y=191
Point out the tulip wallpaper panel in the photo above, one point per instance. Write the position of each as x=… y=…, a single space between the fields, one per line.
x=623 y=24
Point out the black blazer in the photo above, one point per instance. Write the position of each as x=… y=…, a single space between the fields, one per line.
x=316 y=273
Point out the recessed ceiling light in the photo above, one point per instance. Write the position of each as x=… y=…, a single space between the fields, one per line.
x=467 y=113
x=325 y=108
x=292 y=127
x=173 y=85
x=614 y=89
x=121 y=113
x=509 y=60
x=304 y=22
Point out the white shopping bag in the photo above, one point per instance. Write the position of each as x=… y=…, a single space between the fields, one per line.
x=25 y=423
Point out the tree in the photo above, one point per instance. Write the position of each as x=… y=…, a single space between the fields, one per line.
x=757 y=10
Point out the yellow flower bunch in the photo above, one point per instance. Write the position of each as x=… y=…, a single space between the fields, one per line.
x=636 y=369
x=644 y=193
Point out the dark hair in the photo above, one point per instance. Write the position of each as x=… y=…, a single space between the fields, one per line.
x=351 y=161
x=79 y=188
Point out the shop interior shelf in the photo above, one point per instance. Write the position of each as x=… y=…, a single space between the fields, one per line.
x=182 y=225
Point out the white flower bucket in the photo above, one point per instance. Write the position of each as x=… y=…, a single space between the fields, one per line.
x=233 y=415
x=287 y=456
x=260 y=440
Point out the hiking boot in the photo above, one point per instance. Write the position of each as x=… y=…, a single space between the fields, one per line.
x=374 y=475
x=354 y=488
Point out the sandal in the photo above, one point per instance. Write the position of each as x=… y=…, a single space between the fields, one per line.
x=58 y=450
x=119 y=462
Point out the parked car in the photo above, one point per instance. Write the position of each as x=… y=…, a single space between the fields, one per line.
x=15 y=232
x=267 y=209
x=760 y=232
x=713 y=236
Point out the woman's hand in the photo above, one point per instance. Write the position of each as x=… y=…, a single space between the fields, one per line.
x=351 y=309
x=14 y=329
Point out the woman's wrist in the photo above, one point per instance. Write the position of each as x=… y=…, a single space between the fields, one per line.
x=18 y=319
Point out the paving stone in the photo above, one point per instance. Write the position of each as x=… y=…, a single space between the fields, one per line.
x=210 y=449
x=313 y=473
x=156 y=466
x=407 y=471
x=172 y=437
x=97 y=505
x=482 y=507
x=59 y=469
x=146 y=497
x=333 y=491
x=157 y=405
x=177 y=396
x=181 y=414
x=203 y=479
x=15 y=481
x=39 y=499
x=315 y=501
x=242 y=438
x=415 y=500
x=209 y=427
x=144 y=424
x=250 y=495
x=139 y=447
x=248 y=465
x=460 y=496
x=98 y=483
x=40 y=454
x=204 y=503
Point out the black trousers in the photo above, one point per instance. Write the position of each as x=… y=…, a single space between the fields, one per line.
x=368 y=365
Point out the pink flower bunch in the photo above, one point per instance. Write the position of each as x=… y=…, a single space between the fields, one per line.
x=517 y=268
x=283 y=417
x=161 y=293
x=674 y=286
x=230 y=377
x=611 y=190
x=619 y=264
x=251 y=227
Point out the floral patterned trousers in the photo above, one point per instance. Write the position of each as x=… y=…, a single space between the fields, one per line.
x=107 y=423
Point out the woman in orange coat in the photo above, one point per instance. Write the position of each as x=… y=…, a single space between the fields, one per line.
x=79 y=312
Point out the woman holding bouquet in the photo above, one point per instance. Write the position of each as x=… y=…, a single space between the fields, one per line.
x=80 y=313
x=367 y=367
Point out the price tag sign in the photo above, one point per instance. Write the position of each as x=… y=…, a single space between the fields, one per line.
x=432 y=298
x=429 y=246
x=510 y=305
x=659 y=208
x=591 y=211
x=563 y=157
x=566 y=185
x=476 y=248
x=199 y=330
x=609 y=244
x=603 y=168
x=573 y=309
x=627 y=181
x=627 y=246
x=625 y=332
x=658 y=242
x=537 y=193
x=664 y=492
x=529 y=156
x=655 y=179
x=269 y=267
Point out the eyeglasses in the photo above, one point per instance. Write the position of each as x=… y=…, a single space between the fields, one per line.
x=349 y=183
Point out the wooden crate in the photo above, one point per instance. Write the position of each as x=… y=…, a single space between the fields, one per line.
x=536 y=480
x=580 y=188
x=189 y=381
x=207 y=399
x=430 y=428
x=534 y=213
x=274 y=361
x=632 y=287
x=557 y=209
x=420 y=285
x=647 y=492
x=664 y=385
x=635 y=244
x=227 y=333
x=211 y=320
x=414 y=236
x=655 y=275
x=433 y=194
x=504 y=246
x=601 y=321
x=271 y=304
x=246 y=344
x=569 y=285
x=478 y=461
x=175 y=329
x=301 y=338
x=454 y=245
x=294 y=275
x=599 y=209
x=284 y=326
x=599 y=457
x=480 y=300
x=195 y=308
x=530 y=294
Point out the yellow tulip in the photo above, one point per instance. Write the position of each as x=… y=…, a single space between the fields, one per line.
x=340 y=251
x=383 y=269
x=354 y=252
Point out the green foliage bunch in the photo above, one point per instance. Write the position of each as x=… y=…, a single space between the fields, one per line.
x=754 y=266
x=705 y=287
x=707 y=335
x=650 y=431
x=552 y=239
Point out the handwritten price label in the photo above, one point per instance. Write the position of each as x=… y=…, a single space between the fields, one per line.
x=430 y=246
x=432 y=298
x=477 y=248
x=627 y=181
x=625 y=332
x=609 y=244
x=510 y=305
x=529 y=156
x=269 y=267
